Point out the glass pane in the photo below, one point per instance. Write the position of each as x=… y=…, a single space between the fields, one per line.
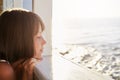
x=86 y=32
x=7 y=4
x=27 y=4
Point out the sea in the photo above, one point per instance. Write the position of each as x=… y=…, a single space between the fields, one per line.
x=101 y=33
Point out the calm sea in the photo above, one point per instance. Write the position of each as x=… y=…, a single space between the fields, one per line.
x=99 y=33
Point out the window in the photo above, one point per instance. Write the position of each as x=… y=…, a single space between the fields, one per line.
x=27 y=4
x=87 y=32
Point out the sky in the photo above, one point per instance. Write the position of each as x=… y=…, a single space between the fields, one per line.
x=66 y=10
x=86 y=8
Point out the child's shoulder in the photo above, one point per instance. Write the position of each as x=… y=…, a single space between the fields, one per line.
x=6 y=71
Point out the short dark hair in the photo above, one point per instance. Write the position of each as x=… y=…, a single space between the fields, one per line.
x=17 y=30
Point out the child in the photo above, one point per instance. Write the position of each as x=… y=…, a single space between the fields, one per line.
x=6 y=71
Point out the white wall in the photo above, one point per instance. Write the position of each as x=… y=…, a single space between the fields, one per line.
x=44 y=9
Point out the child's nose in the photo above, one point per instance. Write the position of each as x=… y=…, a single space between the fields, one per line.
x=44 y=41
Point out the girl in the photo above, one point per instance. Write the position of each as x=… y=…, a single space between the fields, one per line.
x=21 y=41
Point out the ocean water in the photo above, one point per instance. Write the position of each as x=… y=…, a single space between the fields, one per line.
x=100 y=36
x=103 y=34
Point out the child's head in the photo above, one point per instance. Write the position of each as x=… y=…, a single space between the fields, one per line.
x=6 y=71
x=21 y=35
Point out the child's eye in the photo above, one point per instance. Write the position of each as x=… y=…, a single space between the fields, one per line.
x=39 y=38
